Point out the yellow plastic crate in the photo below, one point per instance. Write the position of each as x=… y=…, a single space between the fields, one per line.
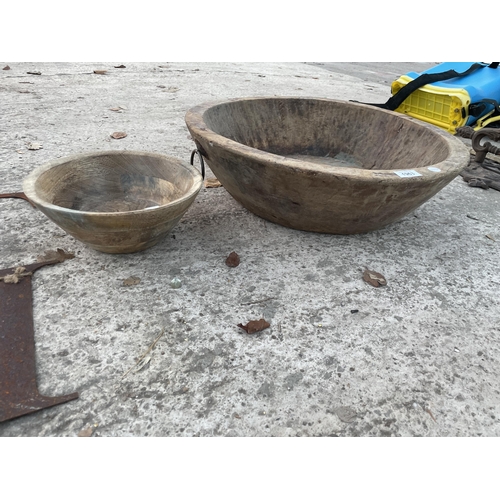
x=445 y=107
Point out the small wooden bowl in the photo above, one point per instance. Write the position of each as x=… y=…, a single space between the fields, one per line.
x=115 y=201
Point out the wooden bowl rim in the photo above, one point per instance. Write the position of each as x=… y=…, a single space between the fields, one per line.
x=30 y=182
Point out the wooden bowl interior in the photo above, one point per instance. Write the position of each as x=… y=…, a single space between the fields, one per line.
x=114 y=183
x=328 y=132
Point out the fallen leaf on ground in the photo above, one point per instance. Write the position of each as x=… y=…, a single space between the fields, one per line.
x=213 y=182
x=87 y=432
x=373 y=278
x=100 y=71
x=490 y=237
x=233 y=260
x=6 y=68
x=34 y=146
x=118 y=135
x=33 y=72
x=133 y=280
x=255 y=326
x=120 y=67
x=59 y=255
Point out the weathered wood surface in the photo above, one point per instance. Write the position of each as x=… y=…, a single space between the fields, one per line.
x=324 y=165
x=115 y=201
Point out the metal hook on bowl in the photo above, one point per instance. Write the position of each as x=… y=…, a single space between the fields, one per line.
x=202 y=163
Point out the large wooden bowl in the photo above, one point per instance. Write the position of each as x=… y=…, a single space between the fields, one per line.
x=115 y=201
x=324 y=165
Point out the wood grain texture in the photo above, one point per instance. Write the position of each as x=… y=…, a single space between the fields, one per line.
x=324 y=165
x=115 y=201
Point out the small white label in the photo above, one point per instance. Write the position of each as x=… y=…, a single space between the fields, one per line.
x=434 y=169
x=407 y=173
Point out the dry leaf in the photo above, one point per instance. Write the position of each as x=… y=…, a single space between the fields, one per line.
x=33 y=72
x=100 y=71
x=118 y=135
x=213 y=182
x=34 y=146
x=255 y=326
x=60 y=255
x=490 y=237
x=6 y=67
x=133 y=280
x=87 y=432
x=233 y=260
x=120 y=67
x=373 y=278
x=116 y=109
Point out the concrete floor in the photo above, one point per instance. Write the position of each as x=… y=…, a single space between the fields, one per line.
x=420 y=357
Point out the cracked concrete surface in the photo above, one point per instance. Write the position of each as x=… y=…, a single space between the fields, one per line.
x=418 y=357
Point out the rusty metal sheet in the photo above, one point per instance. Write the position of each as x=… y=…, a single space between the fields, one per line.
x=18 y=388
